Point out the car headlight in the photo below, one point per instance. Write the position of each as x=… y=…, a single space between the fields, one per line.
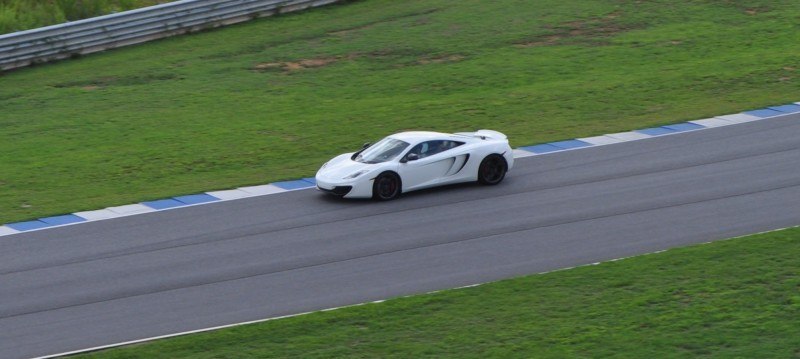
x=354 y=175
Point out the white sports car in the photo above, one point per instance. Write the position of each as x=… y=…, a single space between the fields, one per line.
x=409 y=161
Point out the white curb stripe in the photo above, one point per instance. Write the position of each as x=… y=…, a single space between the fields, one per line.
x=5 y=230
x=522 y=153
x=97 y=215
x=262 y=190
x=601 y=140
x=629 y=136
x=127 y=209
x=739 y=118
x=230 y=194
x=712 y=122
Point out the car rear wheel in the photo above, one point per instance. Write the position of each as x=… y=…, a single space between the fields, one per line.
x=492 y=170
x=386 y=186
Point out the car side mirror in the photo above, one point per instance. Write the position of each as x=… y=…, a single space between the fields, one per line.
x=364 y=147
x=411 y=157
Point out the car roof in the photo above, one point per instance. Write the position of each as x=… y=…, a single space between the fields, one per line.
x=414 y=136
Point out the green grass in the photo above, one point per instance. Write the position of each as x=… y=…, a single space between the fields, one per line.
x=224 y=108
x=730 y=299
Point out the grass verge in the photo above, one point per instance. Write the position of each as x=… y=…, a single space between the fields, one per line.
x=274 y=98
x=728 y=299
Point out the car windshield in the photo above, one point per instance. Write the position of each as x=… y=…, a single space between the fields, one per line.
x=384 y=150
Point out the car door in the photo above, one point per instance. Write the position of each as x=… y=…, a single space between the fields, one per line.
x=434 y=163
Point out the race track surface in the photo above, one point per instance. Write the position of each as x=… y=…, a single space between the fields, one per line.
x=111 y=281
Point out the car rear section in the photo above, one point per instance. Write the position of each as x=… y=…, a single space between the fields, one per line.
x=488 y=142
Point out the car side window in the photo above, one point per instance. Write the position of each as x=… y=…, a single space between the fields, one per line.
x=430 y=148
x=420 y=149
x=448 y=145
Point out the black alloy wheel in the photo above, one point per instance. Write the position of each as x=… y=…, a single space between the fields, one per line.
x=386 y=186
x=492 y=170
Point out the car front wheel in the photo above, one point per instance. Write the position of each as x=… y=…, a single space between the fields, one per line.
x=492 y=170
x=386 y=186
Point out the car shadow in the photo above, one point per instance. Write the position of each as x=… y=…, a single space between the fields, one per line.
x=446 y=190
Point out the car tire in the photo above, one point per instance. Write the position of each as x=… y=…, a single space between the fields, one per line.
x=492 y=170
x=387 y=186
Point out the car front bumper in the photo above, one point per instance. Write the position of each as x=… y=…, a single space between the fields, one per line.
x=359 y=188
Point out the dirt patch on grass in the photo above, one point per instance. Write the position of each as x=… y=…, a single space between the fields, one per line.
x=106 y=81
x=91 y=84
x=289 y=66
x=395 y=53
x=753 y=11
x=440 y=59
x=348 y=31
x=417 y=58
x=593 y=32
x=381 y=55
x=788 y=73
x=410 y=57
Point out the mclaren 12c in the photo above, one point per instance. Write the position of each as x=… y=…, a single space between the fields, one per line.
x=409 y=161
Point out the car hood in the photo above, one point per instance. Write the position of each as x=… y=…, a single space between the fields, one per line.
x=342 y=166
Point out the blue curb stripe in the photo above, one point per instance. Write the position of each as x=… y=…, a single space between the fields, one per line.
x=60 y=220
x=163 y=204
x=763 y=113
x=686 y=126
x=296 y=184
x=656 y=131
x=791 y=108
x=541 y=148
x=570 y=144
x=311 y=180
x=196 y=198
x=28 y=225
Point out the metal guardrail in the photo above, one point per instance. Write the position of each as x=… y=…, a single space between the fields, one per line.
x=81 y=37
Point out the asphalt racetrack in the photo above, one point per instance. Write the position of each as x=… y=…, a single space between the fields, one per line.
x=129 y=278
